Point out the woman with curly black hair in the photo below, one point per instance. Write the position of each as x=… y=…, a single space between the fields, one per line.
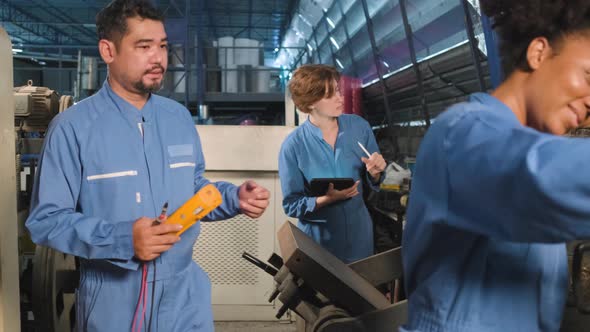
x=497 y=191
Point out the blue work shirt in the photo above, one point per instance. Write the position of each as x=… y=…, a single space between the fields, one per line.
x=344 y=228
x=105 y=164
x=491 y=206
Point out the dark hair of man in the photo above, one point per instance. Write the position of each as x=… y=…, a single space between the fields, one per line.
x=111 y=21
x=518 y=22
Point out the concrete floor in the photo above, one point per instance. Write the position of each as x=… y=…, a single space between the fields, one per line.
x=254 y=327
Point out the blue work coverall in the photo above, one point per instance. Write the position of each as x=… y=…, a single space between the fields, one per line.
x=105 y=164
x=343 y=228
x=491 y=206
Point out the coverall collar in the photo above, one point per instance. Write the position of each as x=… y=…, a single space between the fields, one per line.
x=494 y=103
x=128 y=110
x=315 y=130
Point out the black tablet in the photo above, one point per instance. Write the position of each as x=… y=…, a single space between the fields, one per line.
x=319 y=186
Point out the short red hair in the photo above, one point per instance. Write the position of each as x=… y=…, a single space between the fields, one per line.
x=312 y=83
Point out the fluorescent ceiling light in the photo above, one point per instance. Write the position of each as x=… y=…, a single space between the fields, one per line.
x=330 y=22
x=334 y=42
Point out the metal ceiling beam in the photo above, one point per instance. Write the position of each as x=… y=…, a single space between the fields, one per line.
x=491 y=39
x=249 y=28
x=66 y=17
x=64 y=46
x=250 y=19
x=377 y=61
x=47 y=32
x=317 y=46
x=38 y=29
x=251 y=13
x=291 y=6
x=233 y=11
x=211 y=19
x=175 y=5
x=5 y=17
x=200 y=57
x=237 y=26
x=347 y=34
x=313 y=35
x=302 y=52
x=269 y=5
x=473 y=44
x=187 y=48
x=410 y=39
x=262 y=38
x=329 y=41
x=64 y=24
x=19 y=35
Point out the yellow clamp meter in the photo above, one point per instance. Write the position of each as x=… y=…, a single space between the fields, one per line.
x=197 y=207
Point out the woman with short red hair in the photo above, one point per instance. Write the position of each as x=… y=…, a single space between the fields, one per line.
x=326 y=146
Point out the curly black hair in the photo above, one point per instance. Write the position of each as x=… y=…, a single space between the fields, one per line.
x=111 y=21
x=518 y=22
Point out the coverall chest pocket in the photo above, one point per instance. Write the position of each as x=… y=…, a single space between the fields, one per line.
x=115 y=188
x=181 y=167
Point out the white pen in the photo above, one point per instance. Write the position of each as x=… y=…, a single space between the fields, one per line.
x=365 y=150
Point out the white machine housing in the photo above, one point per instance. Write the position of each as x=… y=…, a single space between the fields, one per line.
x=240 y=290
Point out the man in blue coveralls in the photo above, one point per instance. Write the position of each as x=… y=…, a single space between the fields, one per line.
x=108 y=165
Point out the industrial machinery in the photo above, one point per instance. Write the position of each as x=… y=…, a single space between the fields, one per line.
x=9 y=299
x=576 y=316
x=328 y=294
x=238 y=289
x=35 y=106
x=48 y=278
x=577 y=312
